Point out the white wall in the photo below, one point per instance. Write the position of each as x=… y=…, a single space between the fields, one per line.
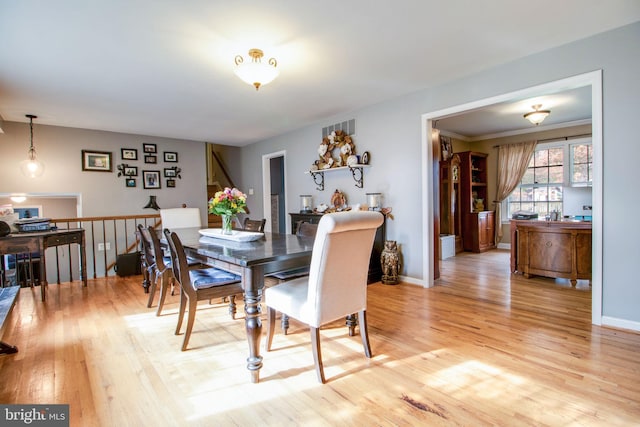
x=391 y=131
x=101 y=193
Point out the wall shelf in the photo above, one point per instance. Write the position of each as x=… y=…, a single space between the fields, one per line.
x=356 y=172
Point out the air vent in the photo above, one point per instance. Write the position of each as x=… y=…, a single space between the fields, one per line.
x=349 y=127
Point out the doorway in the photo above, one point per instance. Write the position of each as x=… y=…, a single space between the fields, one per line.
x=274 y=186
x=594 y=81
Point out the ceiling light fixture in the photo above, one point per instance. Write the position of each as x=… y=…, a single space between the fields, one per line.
x=18 y=199
x=536 y=117
x=254 y=72
x=32 y=167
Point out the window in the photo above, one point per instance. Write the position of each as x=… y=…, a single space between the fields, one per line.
x=581 y=164
x=542 y=187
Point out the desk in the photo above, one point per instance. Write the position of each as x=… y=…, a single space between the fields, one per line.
x=21 y=243
x=251 y=260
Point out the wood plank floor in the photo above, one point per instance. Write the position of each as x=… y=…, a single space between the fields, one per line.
x=483 y=347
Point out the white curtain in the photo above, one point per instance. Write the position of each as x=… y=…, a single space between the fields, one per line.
x=513 y=160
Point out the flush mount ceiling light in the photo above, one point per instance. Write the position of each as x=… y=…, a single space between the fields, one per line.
x=536 y=117
x=32 y=167
x=18 y=199
x=254 y=72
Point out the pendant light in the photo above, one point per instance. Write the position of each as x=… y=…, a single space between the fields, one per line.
x=32 y=167
x=255 y=72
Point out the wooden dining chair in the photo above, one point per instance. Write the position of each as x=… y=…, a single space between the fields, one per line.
x=198 y=284
x=254 y=224
x=148 y=263
x=337 y=282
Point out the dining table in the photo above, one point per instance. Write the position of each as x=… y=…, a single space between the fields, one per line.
x=252 y=260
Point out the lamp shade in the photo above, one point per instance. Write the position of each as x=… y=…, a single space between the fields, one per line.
x=255 y=72
x=537 y=116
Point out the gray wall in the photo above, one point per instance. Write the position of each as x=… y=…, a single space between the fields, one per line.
x=100 y=193
x=391 y=131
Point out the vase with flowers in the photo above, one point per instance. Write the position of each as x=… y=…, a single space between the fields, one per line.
x=227 y=203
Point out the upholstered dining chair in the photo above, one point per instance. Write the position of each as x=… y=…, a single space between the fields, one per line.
x=198 y=284
x=148 y=262
x=337 y=283
x=304 y=229
x=254 y=224
x=180 y=218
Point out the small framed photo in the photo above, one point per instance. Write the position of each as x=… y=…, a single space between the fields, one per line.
x=169 y=173
x=131 y=171
x=149 y=148
x=171 y=183
x=170 y=157
x=151 y=159
x=130 y=182
x=99 y=161
x=151 y=179
x=129 y=153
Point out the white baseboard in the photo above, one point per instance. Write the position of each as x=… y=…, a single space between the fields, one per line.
x=504 y=246
x=412 y=280
x=620 y=323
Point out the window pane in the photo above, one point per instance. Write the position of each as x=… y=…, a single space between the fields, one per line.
x=540 y=194
x=555 y=206
x=580 y=173
x=527 y=194
x=556 y=156
x=555 y=174
x=527 y=207
x=555 y=193
x=541 y=158
x=580 y=154
x=528 y=177
x=515 y=196
x=541 y=175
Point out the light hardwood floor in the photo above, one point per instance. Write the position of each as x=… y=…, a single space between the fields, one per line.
x=481 y=348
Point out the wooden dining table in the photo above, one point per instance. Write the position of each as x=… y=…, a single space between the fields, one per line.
x=252 y=261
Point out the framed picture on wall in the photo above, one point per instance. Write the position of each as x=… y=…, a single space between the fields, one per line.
x=98 y=161
x=151 y=159
x=130 y=182
x=171 y=183
x=149 y=148
x=131 y=171
x=151 y=179
x=129 y=153
x=169 y=173
x=170 y=157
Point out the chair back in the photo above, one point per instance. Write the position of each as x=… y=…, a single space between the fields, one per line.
x=307 y=229
x=158 y=253
x=254 y=224
x=179 y=262
x=340 y=264
x=147 y=251
x=180 y=218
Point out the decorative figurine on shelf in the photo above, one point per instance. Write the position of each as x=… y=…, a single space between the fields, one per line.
x=390 y=261
x=339 y=200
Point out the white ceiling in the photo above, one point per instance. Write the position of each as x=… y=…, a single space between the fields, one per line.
x=165 y=68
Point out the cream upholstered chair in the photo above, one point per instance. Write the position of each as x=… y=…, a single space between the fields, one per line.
x=337 y=283
x=180 y=218
x=198 y=284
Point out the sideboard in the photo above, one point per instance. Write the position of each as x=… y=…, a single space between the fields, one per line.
x=375 y=266
x=559 y=249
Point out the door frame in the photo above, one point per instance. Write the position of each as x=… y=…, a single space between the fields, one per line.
x=592 y=79
x=266 y=187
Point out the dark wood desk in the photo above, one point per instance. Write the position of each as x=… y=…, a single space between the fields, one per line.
x=251 y=260
x=25 y=243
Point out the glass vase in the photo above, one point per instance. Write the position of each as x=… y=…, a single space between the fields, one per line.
x=227 y=224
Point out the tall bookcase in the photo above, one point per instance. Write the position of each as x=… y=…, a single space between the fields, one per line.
x=478 y=223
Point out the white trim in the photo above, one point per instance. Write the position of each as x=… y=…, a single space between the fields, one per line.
x=593 y=79
x=266 y=187
x=411 y=280
x=614 y=322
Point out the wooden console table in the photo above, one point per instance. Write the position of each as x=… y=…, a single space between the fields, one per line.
x=26 y=243
x=559 y=249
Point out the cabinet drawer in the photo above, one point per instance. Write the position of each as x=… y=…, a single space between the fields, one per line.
x=64 y=239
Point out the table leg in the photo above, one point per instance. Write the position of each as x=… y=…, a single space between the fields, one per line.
x=253 y=281
x=43 y=273
x=83 y=259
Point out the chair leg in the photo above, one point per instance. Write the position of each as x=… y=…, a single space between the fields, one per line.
x=271 y=326
x=232 y=306
x=183 y=305
x=193 y=305
x=284 y=323
x=317 y=354
x=362 y=319
x=164 y=284
x=152 y=292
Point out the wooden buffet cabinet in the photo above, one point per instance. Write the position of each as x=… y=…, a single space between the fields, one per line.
x=559 y=249
x=375 y=266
